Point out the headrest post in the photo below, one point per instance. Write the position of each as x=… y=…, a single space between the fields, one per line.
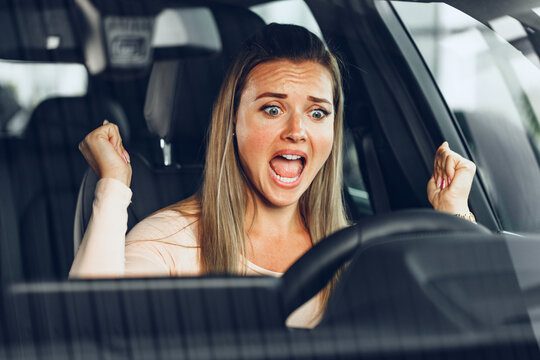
x=167 y=154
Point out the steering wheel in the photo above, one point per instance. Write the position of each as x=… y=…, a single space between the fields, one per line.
x=309 y=274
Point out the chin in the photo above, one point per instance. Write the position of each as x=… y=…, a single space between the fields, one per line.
x=284 y=201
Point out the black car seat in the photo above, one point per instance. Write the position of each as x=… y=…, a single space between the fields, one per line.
x=44 y=170
x=178 y=109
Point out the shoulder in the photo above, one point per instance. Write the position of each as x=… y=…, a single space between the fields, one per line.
x=166 y=226
x=164 y=243
x=167 y=240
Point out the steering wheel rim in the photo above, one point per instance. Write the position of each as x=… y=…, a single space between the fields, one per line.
x=309 y=274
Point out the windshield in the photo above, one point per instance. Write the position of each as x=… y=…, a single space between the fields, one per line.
x=410 y=282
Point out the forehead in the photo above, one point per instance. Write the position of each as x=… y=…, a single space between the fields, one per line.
x=285 y=76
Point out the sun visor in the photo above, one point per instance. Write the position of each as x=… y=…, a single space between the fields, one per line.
x=122 y=42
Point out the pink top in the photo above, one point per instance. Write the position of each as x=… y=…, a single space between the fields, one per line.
x=163 y=244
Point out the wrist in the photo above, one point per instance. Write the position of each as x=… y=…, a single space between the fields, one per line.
x=453 y=208
x=123 y=178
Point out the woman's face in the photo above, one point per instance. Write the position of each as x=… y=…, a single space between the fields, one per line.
x=285 y=128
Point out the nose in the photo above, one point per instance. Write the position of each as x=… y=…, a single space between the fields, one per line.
x=295 y=130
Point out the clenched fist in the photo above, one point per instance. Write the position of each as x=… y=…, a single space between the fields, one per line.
x=449 y=187
x=104 y=152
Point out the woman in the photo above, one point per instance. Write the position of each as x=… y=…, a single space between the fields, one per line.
x=272 y=182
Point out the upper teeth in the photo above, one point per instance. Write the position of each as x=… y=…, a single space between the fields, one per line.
x=291 y=157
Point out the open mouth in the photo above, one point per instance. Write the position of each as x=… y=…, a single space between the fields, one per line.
x=287 y=167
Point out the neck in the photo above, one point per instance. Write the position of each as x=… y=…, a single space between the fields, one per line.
x=271 y=222
x=276 y=236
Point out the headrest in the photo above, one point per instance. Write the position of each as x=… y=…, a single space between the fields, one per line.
x=181 y=93
x=160 y=97
x=75 y=117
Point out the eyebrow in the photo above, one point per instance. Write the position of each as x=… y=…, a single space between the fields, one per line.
x=284 y=96
x=319 y=100
x=270 y=94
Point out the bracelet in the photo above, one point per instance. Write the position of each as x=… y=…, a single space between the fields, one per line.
x=469 y=216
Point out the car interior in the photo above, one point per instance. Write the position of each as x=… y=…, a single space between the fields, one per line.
x=412 y=275
x=164 y=127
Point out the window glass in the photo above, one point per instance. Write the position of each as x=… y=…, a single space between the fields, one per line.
x=493 y=89
x=24 y=85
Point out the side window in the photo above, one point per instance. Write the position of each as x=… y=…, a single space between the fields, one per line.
x=493 y=89
x=24 y=85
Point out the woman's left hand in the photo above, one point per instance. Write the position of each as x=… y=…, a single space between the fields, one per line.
x=449 y=187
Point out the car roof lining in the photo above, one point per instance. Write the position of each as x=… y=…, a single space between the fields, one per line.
x=57 y=17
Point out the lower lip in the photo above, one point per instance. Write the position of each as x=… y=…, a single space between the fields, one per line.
x=285 y=185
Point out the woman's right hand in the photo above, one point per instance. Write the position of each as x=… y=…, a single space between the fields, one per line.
x=104 y=152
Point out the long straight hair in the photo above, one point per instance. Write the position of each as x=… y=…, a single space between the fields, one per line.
x=224 y=193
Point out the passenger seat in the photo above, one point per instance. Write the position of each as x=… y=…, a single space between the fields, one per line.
x=45 y=169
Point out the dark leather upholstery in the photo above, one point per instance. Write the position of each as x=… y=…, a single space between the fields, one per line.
x=153 y=188
x=46 y=169
x=199 y=81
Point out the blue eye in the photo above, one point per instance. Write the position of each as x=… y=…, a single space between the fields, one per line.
x=318 y=113
x=271 y=110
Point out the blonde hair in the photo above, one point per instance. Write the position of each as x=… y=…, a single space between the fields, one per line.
x=224 y=193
